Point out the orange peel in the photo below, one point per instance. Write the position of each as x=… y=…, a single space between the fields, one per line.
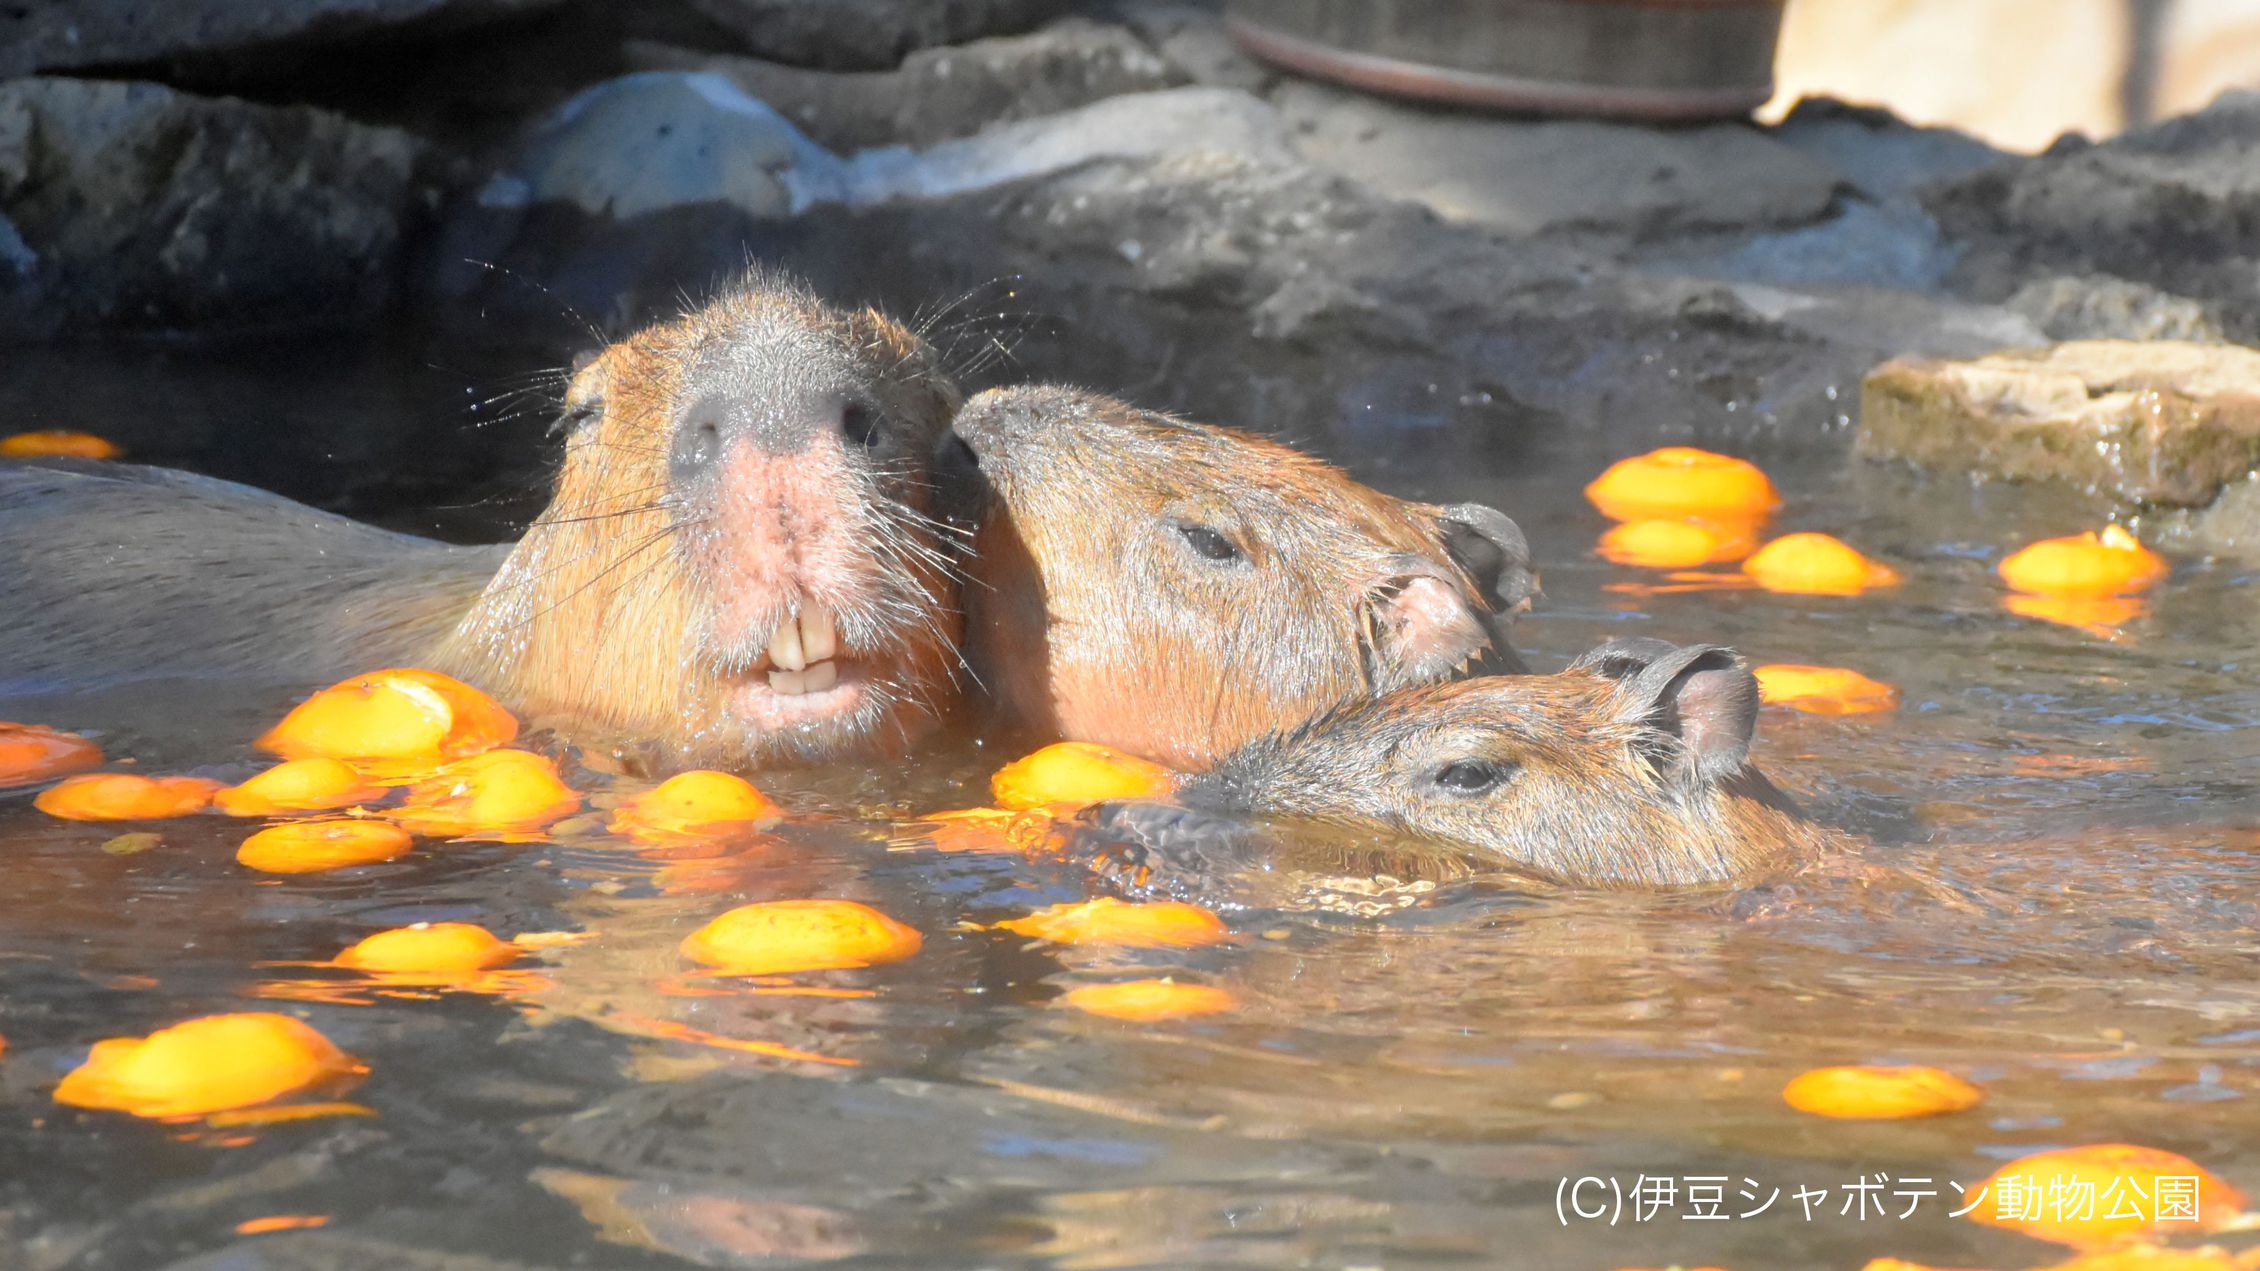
x=1077 y=774
x=1815 y=565
x=2088 y=566
x=394 y=715
x=1106 y=920
x=693 y=804
x=34 y=752
x=497 y=792
x=2123 y=1178
x=57 y=443
x=209 y=1064
x=1878 y=1092
x=316 y=784
x=309 y=847
x=782 y=937
x=1682 y=481
x=429 y=948
x=125 y=796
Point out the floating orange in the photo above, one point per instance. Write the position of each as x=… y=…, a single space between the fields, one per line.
x=393 y=715
x=780 y=937
x=2086 y=566
x=123 y=796
x=1678 y=544
x=1815 y=565
x=1148 y=1000
x=1078 y=774
x=1823 y=690
x=1880 y=1092
x=57 y=443
x=2132 y=1189
x=207 y=1065
x=692 y=805
x=31 y=752
x=309 y=847
x=1107 y=920
x=280 y=1222
x=429 y=948
x=499 y=792
x=1681 y=481
x=298 y=785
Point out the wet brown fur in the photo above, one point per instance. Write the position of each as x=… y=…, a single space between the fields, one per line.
x=1089 y=618
x=1599 y=791
x=601 y=616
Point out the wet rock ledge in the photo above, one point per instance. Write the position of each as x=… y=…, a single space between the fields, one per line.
x=1106 y=191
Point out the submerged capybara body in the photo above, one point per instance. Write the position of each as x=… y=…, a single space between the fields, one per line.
x=1628 y=769
x=738 y=563
x=1176 y=589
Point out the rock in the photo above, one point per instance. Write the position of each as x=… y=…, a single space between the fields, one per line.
x=2098 y=307
x=643 y=182
x=1879 y=154
x=2156 y=423
x=137 y=207
x=1192 y=39
x=61 y=34
x=657 y=140
x=939 y=94
x=867 y=34
x=1528 y=178
x=2171 y=207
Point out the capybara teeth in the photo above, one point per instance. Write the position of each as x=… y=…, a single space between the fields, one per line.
x=819 y=636
x=815 y=679
x=785 y=649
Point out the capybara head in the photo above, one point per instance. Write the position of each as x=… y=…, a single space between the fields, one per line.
x=1629 y=768
x=1175 y=589
x=739 y=559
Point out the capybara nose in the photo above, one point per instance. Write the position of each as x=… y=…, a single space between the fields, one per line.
x=995 y=419
x=696 y=448
x=777 y=425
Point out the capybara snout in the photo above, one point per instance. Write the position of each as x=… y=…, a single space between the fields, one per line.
x=1630 y=768
x=740 y=558
x=1176 y=588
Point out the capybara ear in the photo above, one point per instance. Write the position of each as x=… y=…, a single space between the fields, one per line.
x=1490 y=547
x=1702 y=698
x=1424 y=628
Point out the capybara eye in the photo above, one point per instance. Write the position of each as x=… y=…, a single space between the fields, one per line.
x=1208 y=544
x=862 y=425
x=1470 y=776
x=576 y=416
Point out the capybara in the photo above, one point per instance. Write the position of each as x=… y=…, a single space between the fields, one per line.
x=1176 y=589
x=1629 y=769
x=738 y=564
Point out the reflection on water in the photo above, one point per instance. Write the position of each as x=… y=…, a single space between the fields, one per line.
x=2060 y=904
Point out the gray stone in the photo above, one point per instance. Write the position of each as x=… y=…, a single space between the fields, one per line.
x=867 y=34
x=939 y=94
x=2156 y=423
x=1879 y=154
x=1533 y=178
x=2172 y=207
x=2098 y=307
x=138 y=207
x=656 y=140
x=61 y=34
